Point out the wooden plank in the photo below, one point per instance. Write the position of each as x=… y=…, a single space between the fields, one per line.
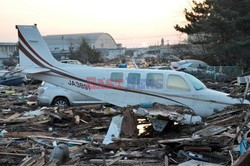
x=166 y=160
x=238 y=132
x=228 y=134
x=15 y=154
x=40 y=161
x=135 y=139
x=26 y=134
x=197 y=163
x=78 y=142
x=30 y=161
x=17 y=120
x=14 y=116
x=243 y=160
x=210 y=130
x=114 y=160
x=92 y=106
x=198 y=148
x=221 y=114
x=226 y=121
x=131 y=162
x=177 y=140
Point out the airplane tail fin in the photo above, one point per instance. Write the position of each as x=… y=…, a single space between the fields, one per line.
x=33 y=51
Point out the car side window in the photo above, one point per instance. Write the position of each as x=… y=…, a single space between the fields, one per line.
x=204 y=65
x=177 y=82
x=195 y=65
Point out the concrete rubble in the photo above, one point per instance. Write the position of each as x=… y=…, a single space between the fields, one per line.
x=98 y=135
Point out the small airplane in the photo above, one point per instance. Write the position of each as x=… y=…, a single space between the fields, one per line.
x=118 y=86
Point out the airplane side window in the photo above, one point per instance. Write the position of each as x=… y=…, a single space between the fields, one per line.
x=134 y=78
x=154 y=80
x=177 y=82
x=116 y=76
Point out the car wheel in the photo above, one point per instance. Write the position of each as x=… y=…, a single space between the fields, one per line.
x=61 y=102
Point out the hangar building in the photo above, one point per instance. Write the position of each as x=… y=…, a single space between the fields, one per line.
x=103 y=42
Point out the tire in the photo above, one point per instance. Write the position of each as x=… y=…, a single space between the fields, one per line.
x=61 y=102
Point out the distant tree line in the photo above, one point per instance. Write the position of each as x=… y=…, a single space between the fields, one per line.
x=85 y=53
x=225 y=29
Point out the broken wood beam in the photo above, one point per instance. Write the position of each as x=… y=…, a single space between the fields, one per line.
x=210 y=130
x=198 y=148
x=15 y=154
x=178 y=140
x=243 y=160
x=226 y=121
x=166 y=160
x=77 y=142
x=114 y=160
x=127 y=162
x=25 y=134
x=17 y=120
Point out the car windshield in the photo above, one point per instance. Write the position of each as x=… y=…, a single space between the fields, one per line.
x=71 y=62
x=198 y=85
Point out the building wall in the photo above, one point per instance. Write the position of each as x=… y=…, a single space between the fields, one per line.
x=6 y=51
x=63 y=43
x=105 y=41
x=112 y=53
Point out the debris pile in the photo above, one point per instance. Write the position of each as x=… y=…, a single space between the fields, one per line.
x=98 y=135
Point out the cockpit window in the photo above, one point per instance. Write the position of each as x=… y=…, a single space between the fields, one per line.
x=198 y=85
x=177 y=82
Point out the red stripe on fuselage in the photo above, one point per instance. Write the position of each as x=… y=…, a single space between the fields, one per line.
x=31 y=49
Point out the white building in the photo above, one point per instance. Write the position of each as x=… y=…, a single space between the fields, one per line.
x=6 y=51
x=103 y=42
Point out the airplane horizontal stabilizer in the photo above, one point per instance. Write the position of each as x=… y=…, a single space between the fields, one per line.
x=35 y=70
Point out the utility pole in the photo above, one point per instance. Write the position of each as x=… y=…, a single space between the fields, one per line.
x=62 y=44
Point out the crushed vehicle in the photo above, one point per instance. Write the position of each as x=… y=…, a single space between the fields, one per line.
x=188 y=65
x=49 y=94
x=197 y=68
x=160 y=67
x=70 y=61
x=12 y=79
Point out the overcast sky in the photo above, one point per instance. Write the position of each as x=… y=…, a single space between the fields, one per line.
x=134 y=23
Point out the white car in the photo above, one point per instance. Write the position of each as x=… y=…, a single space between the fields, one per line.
x=49 y=94
x=189 y=65
x=160 y=67
x=197 y=68
x=70 y=61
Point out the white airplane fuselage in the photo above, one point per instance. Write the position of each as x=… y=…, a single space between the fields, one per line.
x=203 y=102
x=118 y=86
